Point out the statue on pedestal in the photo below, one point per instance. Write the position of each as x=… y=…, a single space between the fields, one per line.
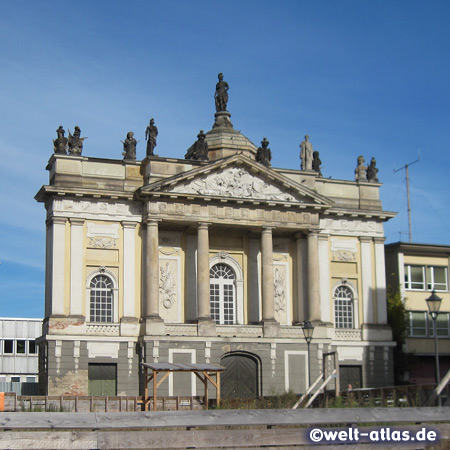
x=361 y=170
x=199 y=150
x=316 y=163
x=60 y=143
x=76 y=142
x=221 y=94
x=372 y=171
x=129 y=147
x=264 y=155
x=150 y=136
x=306 y=154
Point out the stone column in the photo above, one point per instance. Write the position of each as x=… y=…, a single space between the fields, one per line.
x=380 y=280
x=324 y=285
x=366 y=279
x=57 y=262
x=129 y=321
x=271 y=326
x=154 y=323
x=313 y=277
x=76 y=266
x=206 y=327
x=301 y=278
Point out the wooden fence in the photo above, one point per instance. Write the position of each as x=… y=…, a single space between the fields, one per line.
x=71 y=403
x=218 y=429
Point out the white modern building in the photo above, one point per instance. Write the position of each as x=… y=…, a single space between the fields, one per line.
x=18 y=350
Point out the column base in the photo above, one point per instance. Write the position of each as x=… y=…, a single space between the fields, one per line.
x=153 y=326
x=271 y=328
x=206 y=326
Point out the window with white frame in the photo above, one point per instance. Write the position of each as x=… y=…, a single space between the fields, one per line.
x=343 y=307
x=437 y=278
x=417 y=325
x=101 y=300
x=415 y=277
x=222 y=294
x=442 y=325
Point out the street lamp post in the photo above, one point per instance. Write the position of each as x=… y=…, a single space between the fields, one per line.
x=308 y=330
x=434 y=304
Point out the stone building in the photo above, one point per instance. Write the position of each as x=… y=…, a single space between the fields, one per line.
x=210 y=259
x=415 y=270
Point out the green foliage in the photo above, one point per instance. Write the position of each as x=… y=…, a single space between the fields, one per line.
x=280 y=401
x=397 y=319
x=397 y=315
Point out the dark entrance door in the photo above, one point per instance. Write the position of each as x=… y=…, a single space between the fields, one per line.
x=350 y=375
x=240 y=380
x=102 y=379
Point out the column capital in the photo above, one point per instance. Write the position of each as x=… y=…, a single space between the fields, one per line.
x=365 y=239
x=267 y=229
x=203 y=225
x=128 y=224
x=77 y=221
x=312 y=232
x=151 y=221
x=379 y=240
x=300 y=235
x=323 y=237
x=55 y=220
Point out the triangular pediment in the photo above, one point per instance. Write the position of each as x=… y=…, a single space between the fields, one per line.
x=237 y=178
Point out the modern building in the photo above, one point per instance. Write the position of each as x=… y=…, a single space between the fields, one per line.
x=415 y=270
x=18 y=350
x=210 y=259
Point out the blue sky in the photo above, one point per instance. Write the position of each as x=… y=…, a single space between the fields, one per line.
x=360 y=77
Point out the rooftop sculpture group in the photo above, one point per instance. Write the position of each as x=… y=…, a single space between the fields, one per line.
x=74 y=142
x=364 y=173
x=310 y=160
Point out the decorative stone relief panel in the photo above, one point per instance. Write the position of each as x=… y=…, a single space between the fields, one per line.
x=97 y=208
x=170 y=287
x=281 y=292
x=234 y=182
x=344 y=249
x=352 y=227
x=189 y=211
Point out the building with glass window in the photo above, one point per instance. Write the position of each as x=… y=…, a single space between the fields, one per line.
x=416 y=270
x=210 y=260
x=18 y=350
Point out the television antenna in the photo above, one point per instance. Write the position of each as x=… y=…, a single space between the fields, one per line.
x=406 y=167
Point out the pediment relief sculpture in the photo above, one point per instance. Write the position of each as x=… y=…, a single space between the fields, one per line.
x=234 y=182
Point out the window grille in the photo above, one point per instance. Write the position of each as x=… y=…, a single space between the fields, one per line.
x=101 y=299
x=343 y=307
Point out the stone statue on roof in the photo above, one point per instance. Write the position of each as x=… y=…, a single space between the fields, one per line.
x=264 y=155
x=129 y=147
x=316 y=163
x=221 y=94
x=60 y=143
x=76 y=142
x=199 y=150
x=361 y=170
x=372 y=171
x=306 y=154
x=150 y=136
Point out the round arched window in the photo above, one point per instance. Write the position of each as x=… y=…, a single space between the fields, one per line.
x=101 y=299
x=343 y=307
x=222 y=294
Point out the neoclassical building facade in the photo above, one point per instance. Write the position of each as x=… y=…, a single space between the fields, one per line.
x=211 y=260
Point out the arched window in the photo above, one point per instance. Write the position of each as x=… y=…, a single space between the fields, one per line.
x=223 y=294
x=101 y=299
x=343 y=307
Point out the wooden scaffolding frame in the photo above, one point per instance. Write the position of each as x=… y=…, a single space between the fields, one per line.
x=204 y=372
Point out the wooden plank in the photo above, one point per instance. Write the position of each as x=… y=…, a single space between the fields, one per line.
x=54 y=440
x=219 y=439
x=158 y=419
